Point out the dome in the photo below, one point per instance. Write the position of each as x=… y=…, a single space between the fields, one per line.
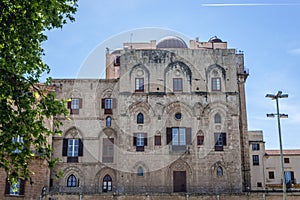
x=215 y=39
x=117 y=51
x=171 y=42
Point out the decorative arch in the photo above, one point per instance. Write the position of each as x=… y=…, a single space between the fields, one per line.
x=100 y=177
x=218 y=169
x=215 y=66
x=73 y=132
x=145 y=74
x=72 y=171
x=182 y=66
x=174 y=106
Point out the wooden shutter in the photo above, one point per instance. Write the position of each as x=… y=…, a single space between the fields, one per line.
x=102 y=103
x=292 y=176
x=80 y=149
x=134 y=139
x=224 y=139
x=22 y=187
x=114 y=103
x=69 y=104
x=7 y=187
x=169 y=135
x=65 y=147
x=188 y=132
x=145 y=139
x=157 y=140
x=80 y=103
x=216 y=138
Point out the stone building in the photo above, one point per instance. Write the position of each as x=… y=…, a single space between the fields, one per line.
x=167 y=118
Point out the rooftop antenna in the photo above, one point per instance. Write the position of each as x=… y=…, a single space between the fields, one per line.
x=131 y=35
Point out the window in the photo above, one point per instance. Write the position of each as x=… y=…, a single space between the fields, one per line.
x=180 y=137
x=108 y=121
x=15 y=189
x=255 y=159
x=217 y=118
x=108 y=104
x=140 y=141
x=73 y=145
x=72 y=181
x=255 y=147
x=289 y=178
x=108 y=150
x=178 y=116
x=139 y=85
x=18 y=141
x=117 y=61
x=140 y=171
x=74 y=105
x=271 y=175
x=286 y=160
x=140 y=118
x=177 y=84
x=200 y=140
x=219 y=171
x=72 y=148
x=157 y=140
x=107 y=183
x=220 y=141
x=259 y=184
x=216 y=84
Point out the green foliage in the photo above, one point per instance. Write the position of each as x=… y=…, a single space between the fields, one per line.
x=27 y=108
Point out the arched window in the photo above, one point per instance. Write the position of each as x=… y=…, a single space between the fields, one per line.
x=72 y=181
x=217 y=118
x=140 y=171
x=219 y=171
x=140 y=118
x=107 y=183
x=108 y=121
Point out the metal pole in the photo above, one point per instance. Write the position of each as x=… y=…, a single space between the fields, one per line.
x=281 y=153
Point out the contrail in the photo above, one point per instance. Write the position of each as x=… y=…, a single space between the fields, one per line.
x=246 y=4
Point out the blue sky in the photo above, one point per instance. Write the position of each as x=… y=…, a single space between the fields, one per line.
x=266 y=31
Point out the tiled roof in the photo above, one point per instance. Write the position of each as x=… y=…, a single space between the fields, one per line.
x=285 y=152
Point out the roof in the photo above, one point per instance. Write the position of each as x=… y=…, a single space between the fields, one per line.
x=285 y=152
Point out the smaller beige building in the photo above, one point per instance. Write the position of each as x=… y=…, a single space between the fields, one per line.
x=265 y=165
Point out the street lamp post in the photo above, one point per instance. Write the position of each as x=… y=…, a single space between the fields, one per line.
x=276 y=97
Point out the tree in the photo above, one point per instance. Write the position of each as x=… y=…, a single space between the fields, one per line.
x=26 y=105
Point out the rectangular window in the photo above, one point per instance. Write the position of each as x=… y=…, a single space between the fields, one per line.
x=72 y=148
x=178 y=136
x=271 y=175
x=255 y=147
x=73 y=145
x=74 y=105
x=108 y=104
x=200 y=140
x=220 y=141
x=255 y=159
x=286 y=160
x=177 y=84
x=108 y=150
x=140 y=141
x=139 y=85
x=157 y=140
x=259 y=184
x=18 y=141
x=216 y=84
x=15 y=189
